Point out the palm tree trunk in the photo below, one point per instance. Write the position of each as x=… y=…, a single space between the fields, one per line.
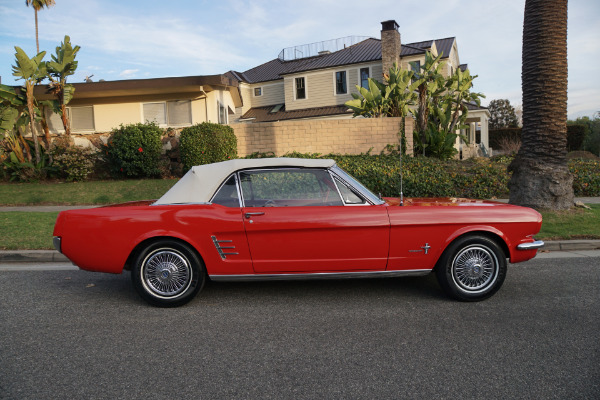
x=37 y=40
x=29 y=88
x=540 y=174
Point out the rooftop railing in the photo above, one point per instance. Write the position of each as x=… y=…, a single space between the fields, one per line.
x=319 y=48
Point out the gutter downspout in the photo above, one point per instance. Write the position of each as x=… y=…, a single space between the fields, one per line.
x=205 y=102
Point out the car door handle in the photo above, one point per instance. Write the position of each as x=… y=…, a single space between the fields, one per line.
x=250 y=214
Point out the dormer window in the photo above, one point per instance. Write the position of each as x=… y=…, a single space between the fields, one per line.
x=300 y=88
x=364 y=77
x=340 y=83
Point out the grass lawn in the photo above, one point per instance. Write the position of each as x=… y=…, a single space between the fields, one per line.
x=577 y=224
x=33 y=230
x=92 y=192
x=26 y=230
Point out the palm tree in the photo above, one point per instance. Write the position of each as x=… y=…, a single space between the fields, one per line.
x=37 y=6
x=540 y=174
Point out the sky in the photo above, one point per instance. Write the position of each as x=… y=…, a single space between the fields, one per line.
x=134 y=39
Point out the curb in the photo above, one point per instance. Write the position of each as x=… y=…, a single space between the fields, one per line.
x=33 y=256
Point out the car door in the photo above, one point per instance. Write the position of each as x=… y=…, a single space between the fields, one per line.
x=296 y=221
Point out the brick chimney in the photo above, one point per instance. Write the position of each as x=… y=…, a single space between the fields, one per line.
x=390 y=44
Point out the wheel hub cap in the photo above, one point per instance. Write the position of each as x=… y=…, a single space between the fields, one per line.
x=166 y=273
x=475 y=268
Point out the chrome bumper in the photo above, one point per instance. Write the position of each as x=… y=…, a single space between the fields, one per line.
x=56 y=242
x=531 y=246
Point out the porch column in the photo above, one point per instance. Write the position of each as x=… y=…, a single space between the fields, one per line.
x=484 y=132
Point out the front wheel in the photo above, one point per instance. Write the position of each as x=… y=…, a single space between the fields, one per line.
x=472 y=268
x=168 y=273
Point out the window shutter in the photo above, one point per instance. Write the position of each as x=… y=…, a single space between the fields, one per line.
x=179 y=112
x=82 y=118
x=54 y=122
x=155 y=112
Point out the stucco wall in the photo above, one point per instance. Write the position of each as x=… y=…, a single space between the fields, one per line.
x=345 y=136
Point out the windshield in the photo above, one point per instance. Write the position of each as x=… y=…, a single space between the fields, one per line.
x=357 y=185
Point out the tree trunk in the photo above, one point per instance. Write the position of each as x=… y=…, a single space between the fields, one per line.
x=37 y=40
x=540 y=174
x=422 y=122
x=29 y=87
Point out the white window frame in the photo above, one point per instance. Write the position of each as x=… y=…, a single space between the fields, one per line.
x=335 y=93
x=262 y=91
x=370 y=74
x=305 y=87
x=70 y=115
x=61 y=129
x=226 y=112
x=166 y=105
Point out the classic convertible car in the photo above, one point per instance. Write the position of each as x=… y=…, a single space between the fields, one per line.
x=286 y=218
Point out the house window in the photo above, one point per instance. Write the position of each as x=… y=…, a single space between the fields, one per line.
x=258 y=91
x=172 y=113
x=81 y=118
x=179 y=112
x=364 y=77
x=222 y=112
x=415 y=67
x=300 y=88
x=340 y=82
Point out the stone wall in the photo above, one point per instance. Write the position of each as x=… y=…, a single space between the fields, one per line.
x=344 y=136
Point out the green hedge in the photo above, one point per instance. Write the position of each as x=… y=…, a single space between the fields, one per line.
x=207 y=143
x=425 y=177
x=134 y=151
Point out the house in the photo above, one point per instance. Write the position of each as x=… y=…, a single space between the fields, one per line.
x=170 y=102
x=311 y=81
x=315 y=80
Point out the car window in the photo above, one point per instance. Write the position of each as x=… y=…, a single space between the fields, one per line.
x=227 y=195
x=288 y=188
x=348 y=195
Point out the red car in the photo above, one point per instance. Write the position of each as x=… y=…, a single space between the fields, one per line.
x=286 y=218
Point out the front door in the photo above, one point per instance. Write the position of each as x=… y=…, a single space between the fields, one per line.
x=296 y=222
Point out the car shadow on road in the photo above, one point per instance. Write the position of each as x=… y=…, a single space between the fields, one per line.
x=118 y=288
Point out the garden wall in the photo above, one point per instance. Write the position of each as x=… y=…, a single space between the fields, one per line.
x=343 y=136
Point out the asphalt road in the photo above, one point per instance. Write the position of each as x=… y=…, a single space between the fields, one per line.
x=69 y=334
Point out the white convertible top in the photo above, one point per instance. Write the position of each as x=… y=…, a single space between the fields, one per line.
x=199 y=184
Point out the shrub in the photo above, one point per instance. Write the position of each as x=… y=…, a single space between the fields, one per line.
x=71 y=162
x=499 y=136
x=575 y=136
x=207 y=143
x=134 y=151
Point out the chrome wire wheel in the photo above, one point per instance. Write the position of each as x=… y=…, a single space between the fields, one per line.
x=166 y=273
x=475 y=269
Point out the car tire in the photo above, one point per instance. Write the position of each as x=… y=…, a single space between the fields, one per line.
x=168 y=273
x=472 y=268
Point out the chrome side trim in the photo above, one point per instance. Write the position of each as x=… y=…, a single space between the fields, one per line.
x=320 y=275
x=220 y=248
x=531 y=246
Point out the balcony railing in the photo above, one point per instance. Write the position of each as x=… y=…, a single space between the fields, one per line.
x=319 y=48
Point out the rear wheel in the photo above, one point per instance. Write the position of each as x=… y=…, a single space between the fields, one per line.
x=472 y=268
x=168 y=273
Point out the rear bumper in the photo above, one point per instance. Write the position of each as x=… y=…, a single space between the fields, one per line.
x=531 y=246
x=56 y=241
